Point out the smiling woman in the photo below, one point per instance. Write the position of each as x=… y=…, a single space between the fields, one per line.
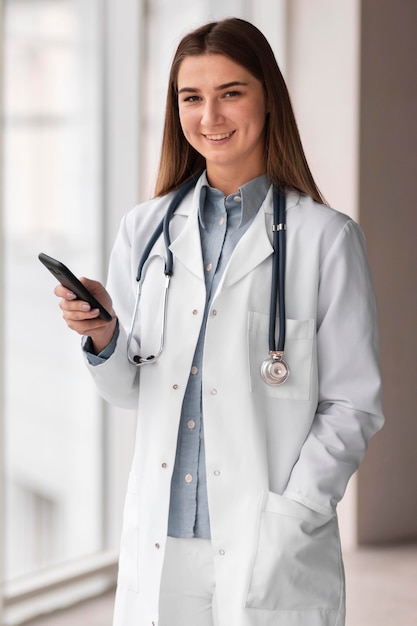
x=230 y=512
x=223 y=116
x=248 y=55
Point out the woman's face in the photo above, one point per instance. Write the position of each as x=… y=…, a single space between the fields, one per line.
x=222 y=112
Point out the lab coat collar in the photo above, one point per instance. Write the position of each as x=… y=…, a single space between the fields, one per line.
x=254 y=247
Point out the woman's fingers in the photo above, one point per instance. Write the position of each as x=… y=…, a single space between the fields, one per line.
x=80 y=316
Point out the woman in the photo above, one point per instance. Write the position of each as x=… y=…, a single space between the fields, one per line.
x=230 y=515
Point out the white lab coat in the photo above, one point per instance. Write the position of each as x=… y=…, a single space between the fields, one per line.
x=278 y=458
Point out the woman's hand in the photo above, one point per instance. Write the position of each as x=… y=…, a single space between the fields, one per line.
x=80 y=317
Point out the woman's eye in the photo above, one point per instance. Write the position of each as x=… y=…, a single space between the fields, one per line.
x=232 y=94
x=191 y=99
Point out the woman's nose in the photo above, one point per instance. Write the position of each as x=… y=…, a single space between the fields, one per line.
x=211 y=113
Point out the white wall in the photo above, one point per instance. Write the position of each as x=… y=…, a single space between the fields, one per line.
x=323 y=78
x=322 y=72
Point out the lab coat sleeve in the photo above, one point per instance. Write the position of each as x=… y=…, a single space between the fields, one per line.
x=116 y=378
x=349 y=406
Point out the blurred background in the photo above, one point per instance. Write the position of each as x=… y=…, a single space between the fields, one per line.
x=83 y=87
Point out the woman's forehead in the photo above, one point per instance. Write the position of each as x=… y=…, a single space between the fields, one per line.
x=210 y=70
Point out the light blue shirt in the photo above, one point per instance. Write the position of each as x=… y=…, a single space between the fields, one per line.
x=223 y=221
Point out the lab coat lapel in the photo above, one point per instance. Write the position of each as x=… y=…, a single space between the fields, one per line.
x=254 y=247
x=186 y=247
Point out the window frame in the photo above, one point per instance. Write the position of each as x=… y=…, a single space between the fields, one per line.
x=2 y=377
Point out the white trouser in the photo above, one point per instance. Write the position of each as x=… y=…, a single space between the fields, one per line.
x=187 y=587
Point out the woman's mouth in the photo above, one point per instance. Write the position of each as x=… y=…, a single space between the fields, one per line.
x=219 y=136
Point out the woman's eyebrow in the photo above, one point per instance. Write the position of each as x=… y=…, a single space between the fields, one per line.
x=188 y=89
x=234 y=83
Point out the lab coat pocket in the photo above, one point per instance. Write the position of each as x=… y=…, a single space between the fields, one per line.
x=297 y=565
x=128 y=560
x=299 y=346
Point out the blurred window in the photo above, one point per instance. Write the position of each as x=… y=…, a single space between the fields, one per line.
x=52 y=203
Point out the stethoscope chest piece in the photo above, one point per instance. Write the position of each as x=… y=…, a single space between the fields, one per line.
x=275 y=370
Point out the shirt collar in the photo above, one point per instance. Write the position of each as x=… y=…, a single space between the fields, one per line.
x=251 y=195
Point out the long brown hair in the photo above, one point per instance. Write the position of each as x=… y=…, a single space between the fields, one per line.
x=286 y=164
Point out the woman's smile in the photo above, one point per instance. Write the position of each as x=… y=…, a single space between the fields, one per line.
x=218 y=137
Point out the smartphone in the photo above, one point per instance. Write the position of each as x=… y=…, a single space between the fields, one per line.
x=71 y=282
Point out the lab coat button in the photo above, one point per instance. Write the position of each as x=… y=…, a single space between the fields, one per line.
x=188 y=478
x=195 y=312
x=213 y=392
x=214 y=312
x=157 y=546
x=217 y=472
x=164 y=465
x=175 y=386
x=222 y=552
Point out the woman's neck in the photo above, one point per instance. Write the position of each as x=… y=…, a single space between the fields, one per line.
x=229 y=181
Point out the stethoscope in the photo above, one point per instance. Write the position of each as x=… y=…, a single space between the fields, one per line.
x=274 y=370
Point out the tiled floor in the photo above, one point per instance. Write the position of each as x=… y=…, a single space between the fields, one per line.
x=381 y=583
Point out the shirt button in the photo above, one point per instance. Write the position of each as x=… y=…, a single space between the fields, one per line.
x=221 y=221
x=209 y=266
x=237 y=198
x=188 y=478
x=194 y=370
x=213 y=392
x=191 y=424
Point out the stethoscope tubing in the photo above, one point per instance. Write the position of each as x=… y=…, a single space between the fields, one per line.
x=276 y=348
x=278 y=274
x=163 y=227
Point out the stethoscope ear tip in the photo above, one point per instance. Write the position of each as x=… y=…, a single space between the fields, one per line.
x=138 y=360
